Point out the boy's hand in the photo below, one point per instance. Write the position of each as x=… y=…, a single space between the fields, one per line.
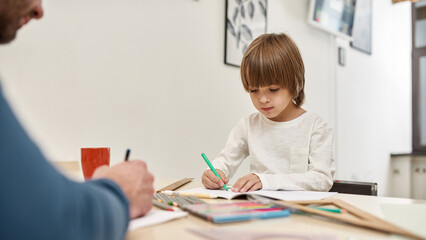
x=249 y=182
x=210 y=180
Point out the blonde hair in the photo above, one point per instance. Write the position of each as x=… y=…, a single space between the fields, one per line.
x=274 y=59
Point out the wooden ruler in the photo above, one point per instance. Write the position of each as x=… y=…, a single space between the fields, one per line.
x=176 y=185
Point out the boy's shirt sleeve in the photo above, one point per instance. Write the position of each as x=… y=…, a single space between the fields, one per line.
x=319 y=176
x=234 y=152
x=38 y=202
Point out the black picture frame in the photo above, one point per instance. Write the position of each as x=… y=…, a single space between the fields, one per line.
x=245 y=20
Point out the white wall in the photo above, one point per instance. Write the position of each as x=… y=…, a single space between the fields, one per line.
x=374 y=98
x=149 y=75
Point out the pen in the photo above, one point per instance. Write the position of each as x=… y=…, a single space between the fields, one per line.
x=127 y=155
x=212 y=168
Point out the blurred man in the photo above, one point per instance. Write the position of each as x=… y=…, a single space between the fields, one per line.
x=36 y=201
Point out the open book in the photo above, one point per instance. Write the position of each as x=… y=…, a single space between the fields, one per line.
x=281 y=195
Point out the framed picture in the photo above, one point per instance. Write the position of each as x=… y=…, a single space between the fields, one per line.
x=245 y=20
x=333 y=16
x=362 y=30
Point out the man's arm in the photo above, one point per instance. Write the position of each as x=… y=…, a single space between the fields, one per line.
x=37 y=202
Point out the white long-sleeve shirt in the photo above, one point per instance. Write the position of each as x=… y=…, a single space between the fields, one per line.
x=292 y=155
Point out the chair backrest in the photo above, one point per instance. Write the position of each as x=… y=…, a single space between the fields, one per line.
x=354 y=187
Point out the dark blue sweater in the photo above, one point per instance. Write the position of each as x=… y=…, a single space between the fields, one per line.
x=37 y=202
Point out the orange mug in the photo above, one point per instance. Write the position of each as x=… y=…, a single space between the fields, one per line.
x=92 y=158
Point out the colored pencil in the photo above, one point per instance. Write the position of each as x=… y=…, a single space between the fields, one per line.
x=212 y=168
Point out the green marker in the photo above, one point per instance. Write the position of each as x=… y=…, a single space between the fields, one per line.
x=214 y=170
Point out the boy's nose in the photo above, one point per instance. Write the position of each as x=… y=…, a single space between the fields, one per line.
x=263 y=99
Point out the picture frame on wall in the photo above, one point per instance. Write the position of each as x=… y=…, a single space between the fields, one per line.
x=333 y=16
x=362 y=30
x=245 y=20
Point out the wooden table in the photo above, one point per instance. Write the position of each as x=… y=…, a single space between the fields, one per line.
x=295 y=224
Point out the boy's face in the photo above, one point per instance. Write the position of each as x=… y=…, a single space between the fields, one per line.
x=272 y=101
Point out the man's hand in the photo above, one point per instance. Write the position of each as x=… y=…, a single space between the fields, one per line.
x=136 y=182
x=210 y=180
x=249 y=182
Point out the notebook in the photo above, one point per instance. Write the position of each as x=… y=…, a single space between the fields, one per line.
x=281 y=195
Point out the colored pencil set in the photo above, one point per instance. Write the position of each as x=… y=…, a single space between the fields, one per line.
x=218 y=212
x=237 y=211
x=170 y=203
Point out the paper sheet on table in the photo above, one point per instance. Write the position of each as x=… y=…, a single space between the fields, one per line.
x=411 y=217
x=154 y=217
x=282 y=195
x=220 y=234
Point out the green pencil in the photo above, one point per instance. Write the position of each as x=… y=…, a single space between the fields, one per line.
x=335 y=210
x=212 y=168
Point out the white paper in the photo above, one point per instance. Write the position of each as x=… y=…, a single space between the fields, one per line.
x=220 y=234
x=155 y=217
x=281 y=195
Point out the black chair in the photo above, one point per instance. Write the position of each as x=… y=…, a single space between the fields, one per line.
x=354 y=187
